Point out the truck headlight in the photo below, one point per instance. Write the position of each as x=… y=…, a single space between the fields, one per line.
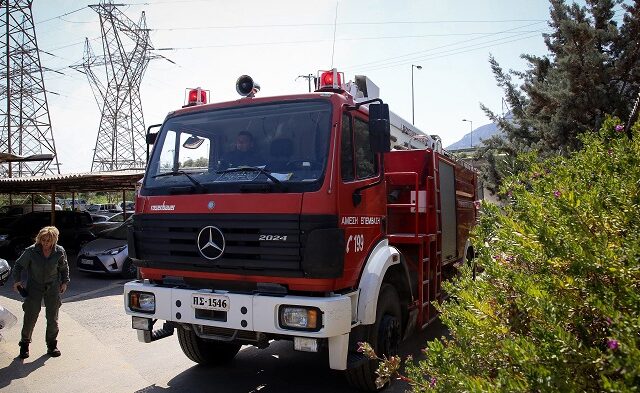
x=300 y=318
x=142 y=302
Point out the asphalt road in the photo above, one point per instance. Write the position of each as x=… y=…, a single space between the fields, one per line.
x=100 y=353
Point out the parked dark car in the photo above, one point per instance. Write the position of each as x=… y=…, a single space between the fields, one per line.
x=19 y=233
x=111 y=222
x=96 y=218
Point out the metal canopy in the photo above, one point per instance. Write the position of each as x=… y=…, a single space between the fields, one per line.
x=72 y=182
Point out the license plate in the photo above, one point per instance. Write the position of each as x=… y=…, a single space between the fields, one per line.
x=86 y=261
x=210 y=302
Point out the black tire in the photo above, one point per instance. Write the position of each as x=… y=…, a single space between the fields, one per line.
x=206 y=352
x=384 y=336
x=129 y=270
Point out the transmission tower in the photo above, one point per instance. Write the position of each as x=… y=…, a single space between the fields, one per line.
x=26 y=138
x=121 y=135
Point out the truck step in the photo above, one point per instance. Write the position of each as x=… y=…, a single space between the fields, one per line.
x=166 y=331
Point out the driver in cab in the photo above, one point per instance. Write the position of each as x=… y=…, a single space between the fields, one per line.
x=244 y=153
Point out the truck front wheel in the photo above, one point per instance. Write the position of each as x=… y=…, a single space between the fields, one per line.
x=206 y=352
x=384 y=336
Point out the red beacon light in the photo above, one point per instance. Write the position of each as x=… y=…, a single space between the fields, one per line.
x=196 y=96
x=331 y=80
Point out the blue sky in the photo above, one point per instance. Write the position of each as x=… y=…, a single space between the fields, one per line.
x=214 y=42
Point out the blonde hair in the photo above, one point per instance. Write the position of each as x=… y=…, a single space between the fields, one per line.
x=48 y=232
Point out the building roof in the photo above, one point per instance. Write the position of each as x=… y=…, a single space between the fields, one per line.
x=72 y=182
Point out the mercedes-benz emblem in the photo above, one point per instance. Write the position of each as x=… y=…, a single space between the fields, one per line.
x=211 y=242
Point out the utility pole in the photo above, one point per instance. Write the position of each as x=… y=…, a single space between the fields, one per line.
x=308 y=77
x=121 y=134
x=470 y=129
x=25 y=123
x=413 y=112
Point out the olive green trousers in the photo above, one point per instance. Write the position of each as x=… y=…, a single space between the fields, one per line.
x=32 y=305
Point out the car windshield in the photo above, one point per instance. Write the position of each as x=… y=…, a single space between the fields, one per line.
x=283 y=145
x=119 y=232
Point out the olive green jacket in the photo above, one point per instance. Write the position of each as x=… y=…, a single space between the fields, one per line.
x=41 y=269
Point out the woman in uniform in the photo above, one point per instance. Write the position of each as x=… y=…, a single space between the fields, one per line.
x=48 y=270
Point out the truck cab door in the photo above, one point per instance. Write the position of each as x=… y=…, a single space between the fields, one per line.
x=361 y=195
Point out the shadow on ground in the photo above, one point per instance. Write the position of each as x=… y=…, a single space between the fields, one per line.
x=279 y=369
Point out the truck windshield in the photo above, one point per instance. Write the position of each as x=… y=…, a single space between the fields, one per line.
x=280 y=147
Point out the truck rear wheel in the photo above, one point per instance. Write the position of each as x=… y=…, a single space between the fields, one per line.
x=206 y=352
x=384 y=337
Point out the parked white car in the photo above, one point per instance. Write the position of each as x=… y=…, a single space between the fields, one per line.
x=78 y=204
x=107 y=209
x=108 y=254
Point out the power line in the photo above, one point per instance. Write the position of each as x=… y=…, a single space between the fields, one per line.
x=166 y=2
x=60 y=16
x=74 y=44
x=340 y=39
x=357 y=66
x=451 y=52
x=343 y=24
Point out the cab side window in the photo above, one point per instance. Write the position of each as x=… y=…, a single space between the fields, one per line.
x=366 y=163
x=346 y=153
x=358 y=161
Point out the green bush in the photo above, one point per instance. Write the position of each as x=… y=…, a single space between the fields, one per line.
x=557 y=307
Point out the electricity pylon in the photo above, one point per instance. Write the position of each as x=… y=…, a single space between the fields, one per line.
x=26 y=137
x=121 y=135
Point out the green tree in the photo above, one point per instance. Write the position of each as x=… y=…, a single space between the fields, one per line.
x=557 y=308
x=592 y=69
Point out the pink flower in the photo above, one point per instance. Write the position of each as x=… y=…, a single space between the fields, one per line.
x=364 y=347
x=620 y=128
x=432 y=382
x=613 y=344
x=556 y=194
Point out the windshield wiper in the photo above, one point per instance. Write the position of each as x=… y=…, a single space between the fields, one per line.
x=253 y=169
x=196 y=183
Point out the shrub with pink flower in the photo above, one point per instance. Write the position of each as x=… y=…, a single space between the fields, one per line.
x=557 y=306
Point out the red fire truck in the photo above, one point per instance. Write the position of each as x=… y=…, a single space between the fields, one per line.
x=290 y=218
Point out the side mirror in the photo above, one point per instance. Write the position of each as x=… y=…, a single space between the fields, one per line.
x=379 y=128
x=151 y=138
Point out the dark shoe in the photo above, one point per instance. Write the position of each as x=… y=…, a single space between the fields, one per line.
x=24 y=350
x=52 y=349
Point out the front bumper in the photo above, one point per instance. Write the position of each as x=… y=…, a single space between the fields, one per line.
x=255 y=313
x=103 y=264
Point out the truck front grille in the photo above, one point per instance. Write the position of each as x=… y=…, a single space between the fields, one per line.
x=262 y=244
